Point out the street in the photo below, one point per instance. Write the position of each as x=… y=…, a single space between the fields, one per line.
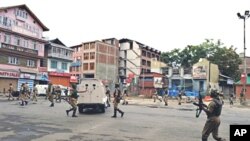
x=143 y=120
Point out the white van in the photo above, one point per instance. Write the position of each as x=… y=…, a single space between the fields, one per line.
x=41 y=89
x=91 y=95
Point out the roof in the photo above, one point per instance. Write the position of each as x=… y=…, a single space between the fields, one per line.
x=57 y=41
x=30 y=12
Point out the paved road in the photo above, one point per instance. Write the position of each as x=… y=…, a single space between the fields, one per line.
x=143 y=121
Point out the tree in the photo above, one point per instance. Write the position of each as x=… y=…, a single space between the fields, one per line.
x=226 y=58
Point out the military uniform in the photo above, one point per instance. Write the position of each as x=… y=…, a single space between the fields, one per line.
x=58 y=93
x=117 y=97
x=231 y=99
x=73 y=103
x=10 y=92
x=35 y=91
x=213 y=119
x=51 y=92
x=155 y=96
x=179 y=97
x=22 y=96
x=165 y=98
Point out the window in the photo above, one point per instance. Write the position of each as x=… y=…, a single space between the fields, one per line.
x=7 y=38
x=85 y=66
x=86 y=46
x=21 y=13
x=30 y=63
x=17 y=41
x=53 y=64
x=86 y=56
x=92 y=66
x=92 y=55
x=64 y=66
x=25 y=43
x=13 y=60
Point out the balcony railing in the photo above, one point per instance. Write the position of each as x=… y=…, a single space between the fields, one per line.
x=23 y=50
x=61 y=56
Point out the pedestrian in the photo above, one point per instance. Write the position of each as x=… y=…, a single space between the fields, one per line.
x=181 y=92
x=213 y=117
x=51 y=93
x=58 y=93
x=73 y=101
x=22 y=95
x=165 y=97
x=117 y=98
x=156 y=95
x=46 y=93
x=10 y=92
x=124 y=97
x=231 y=98
x=4 y=92
x=66 y=91
x=108 y=95
x=35 y=91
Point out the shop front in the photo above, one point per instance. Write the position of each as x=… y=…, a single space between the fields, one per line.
x=7 y=77
x=27 y=76
x=57 y=78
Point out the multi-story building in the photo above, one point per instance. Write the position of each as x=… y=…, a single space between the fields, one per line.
x=97 y=59
x=135 y=60
x=58 y=58
x=21 y=46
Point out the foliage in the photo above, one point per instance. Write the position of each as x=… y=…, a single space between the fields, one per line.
x=225 y=57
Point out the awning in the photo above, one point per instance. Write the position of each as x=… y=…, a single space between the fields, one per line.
x=28 y=70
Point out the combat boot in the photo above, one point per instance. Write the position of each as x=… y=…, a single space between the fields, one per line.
x=52 y=105
x=114 y=116
x=74 y=113
x=26 y=102
x=22 y=104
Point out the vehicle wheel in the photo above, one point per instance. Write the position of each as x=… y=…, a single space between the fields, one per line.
x=103 y=108
x=80 y=109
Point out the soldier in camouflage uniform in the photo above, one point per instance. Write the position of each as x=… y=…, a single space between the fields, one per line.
x=51 y=92
x=73 y=101
x=10 y=92
x=117 y=98
x=35 y=91
x=213 y=118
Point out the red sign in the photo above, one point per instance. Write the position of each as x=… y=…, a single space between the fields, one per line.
x=131 y=75
x=243 y=78
x=73 y=79
x=9 y=74
x=59 y=74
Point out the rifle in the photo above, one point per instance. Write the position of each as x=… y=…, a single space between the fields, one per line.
x=200 y=105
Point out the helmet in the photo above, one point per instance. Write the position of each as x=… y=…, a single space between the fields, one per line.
x=214 y=93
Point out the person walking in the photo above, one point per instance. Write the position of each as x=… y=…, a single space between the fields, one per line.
x=165 y=97
x=22 y=94
x=231 y=98
x=35 y=91
x=213 y=117
x=73 y=101
x=10 y=92
x=117 y=98
x=51 y=93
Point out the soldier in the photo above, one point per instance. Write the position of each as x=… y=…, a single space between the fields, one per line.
x=51 y=92
x=231 y=97
x=108 y=95
x=124 y=97
x=22 y=95
x=73 y=102
x=35 y=91
x=213 y=118
x=10 y=92
x=58 y=93
x=117 y=97
x=180 y=97
x=165 y=97
x=156 y=96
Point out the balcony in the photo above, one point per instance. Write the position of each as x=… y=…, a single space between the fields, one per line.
x=18 y=50
x=60 y=56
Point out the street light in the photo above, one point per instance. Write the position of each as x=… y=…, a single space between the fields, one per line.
x=244 y=17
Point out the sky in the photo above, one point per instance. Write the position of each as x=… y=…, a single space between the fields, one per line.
x=161 y=24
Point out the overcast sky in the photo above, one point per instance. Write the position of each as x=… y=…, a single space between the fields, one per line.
x=161 y=24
